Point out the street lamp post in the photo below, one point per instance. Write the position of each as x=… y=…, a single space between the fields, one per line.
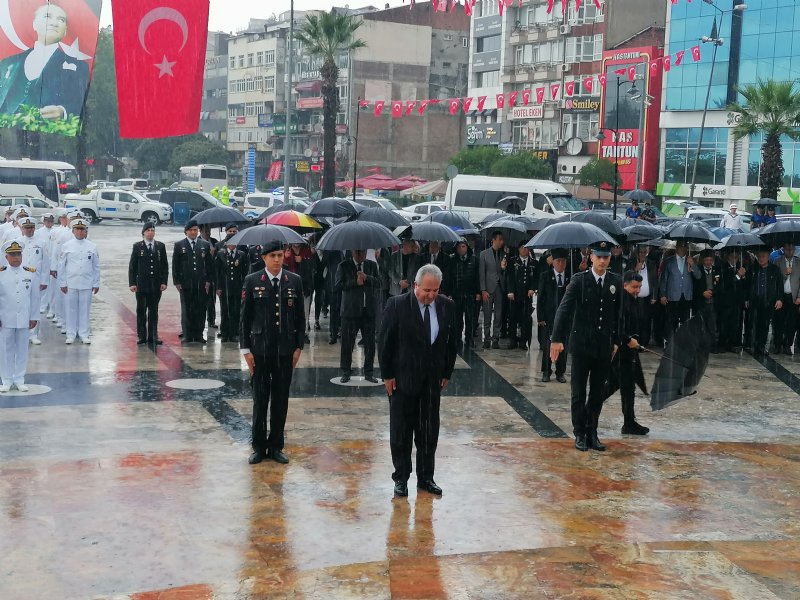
x=717 y=41
x=615 y=131
x=355 y=148
x=286 y=163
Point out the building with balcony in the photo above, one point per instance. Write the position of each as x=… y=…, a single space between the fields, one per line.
x=214 y=107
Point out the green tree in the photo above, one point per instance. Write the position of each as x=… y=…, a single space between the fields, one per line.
x=522 y=164
x=197 y=151
x=597 y=172
x=771 y=108
x=325 y=36
x=477 y=160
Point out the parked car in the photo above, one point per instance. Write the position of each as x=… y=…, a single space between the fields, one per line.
x=198 y=201
x=374 y=201
x=137 y=185
x=707 y=213
x=295 y=193
x=114 y=203
x=154 y=196
x=99 y=183
x=27 y=195
x=415 y=212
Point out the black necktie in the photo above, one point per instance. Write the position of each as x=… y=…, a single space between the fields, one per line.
x=600 y=283
x=560 y=280
x=192 y=243
x=274 y=285
x=359 y=267
x=427 y=321
x=149 y=247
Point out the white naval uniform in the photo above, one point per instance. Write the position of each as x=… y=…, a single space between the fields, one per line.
x=34 y=255
x=19 y=304
x=79 y=272
x=61 y=236
x=45 y=237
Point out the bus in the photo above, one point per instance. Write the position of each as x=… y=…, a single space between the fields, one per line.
x=54 y=179
x=203 y=177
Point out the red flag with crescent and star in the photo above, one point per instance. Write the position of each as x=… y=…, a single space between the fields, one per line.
x=160 y=49
x=379 y=104
x=397 y=108
x=526 y=97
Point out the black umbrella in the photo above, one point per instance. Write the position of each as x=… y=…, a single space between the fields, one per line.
x=691 y=231
x=492 y=217
x=740 y=240
x=425 y=231
x=600 y=220
x=639 y=196
x=783 y=231
x=357 y=235
x=569 y=235
x=507 y=202
x=335 y=208
x=530 y=223
x=378 y=214
x=642 y=232
x=220 y=216
x=261 y=235
x=682 y=365
x=283 y=206
x=452 y=219
x=514 y=231
x=766 y=202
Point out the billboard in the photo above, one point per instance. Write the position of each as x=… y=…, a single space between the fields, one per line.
x=46 y=58
x=620 y=112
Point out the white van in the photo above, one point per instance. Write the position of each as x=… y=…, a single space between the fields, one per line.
x=479 y=195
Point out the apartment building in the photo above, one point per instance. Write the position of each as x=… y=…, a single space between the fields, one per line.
x=214 y=107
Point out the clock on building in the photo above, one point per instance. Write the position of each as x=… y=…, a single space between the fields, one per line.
x=574 y=146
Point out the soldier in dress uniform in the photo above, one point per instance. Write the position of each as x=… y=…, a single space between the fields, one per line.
x=63 y=234
x=192 y=271
x=19 y=313
x=231 y=267
x=45 y=235
x=521 y=283
x=272 y=327
x=78 y=278
x=205 y=234
x=589 y=316
x=148 y=274
x=35 y=256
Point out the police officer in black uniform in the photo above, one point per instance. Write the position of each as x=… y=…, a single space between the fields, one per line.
x=231 y=267
x=589 y=315
x=272 y=327
x=521 y=283
x=466 y=291
x=147 y=278
x=192 y=272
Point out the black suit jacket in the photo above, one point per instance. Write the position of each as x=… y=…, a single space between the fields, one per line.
x=579 y=317
x=445 y=264
x=403 y=350
x=147 y=270
x=700 y=286
x=519 y=280
x=230 y=269
x=774 y=284
x=192 y=269
x=547 y=299
x=357 y=297
x=260 y=330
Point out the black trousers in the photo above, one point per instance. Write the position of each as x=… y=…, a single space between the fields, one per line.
x=785 y=323
x=465 y=323
x=709 y=314
x=658 y=319
x=334 y=312
x=414 y=418
x=544 y=348
x=522 y=319
x=320 y=301
x=350 y=327
x=194 y=303
x=627 y=384
x=230 y=309
x=586 y=407
x=677 y=314
x=760 y=318
x=729 y=321
x=646 y=312
x=212 y=304
x=272 y=377
x=147 y=315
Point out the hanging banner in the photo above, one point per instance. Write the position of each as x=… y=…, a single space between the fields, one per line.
x=526 y=97
x=397 y=108
x=46 y=60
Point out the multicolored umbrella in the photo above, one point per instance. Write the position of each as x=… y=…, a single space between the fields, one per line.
x=293 y=220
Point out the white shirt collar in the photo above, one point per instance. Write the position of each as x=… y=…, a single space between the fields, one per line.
x=38 y=58
x=270 y=276
x=596 y=276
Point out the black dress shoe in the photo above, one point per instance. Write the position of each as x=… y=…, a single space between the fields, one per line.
x=256 y=457
x=787 y=350
x=635 y=429
x=141 y=342
x=580 y=442
x=561 y=379
x=594 y=442
x=512 y=346
x=200 y=340
x=487 y=344
x=495 y=345
x=430 y=487
x=400 y=489
x=219 y=335
x=371 y=378
x=158 y=342
x=278 y=456
x=523 y=346
x=332 y=341
x=344 y=379
x=212 y=325
x=545 y=378
x=317 y=326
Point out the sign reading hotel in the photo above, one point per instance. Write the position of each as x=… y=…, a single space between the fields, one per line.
x=519 y=113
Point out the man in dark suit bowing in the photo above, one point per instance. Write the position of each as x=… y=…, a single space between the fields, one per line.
x=417 y=353
x=357 y=280
x=589 y=316
x=147 y=278
x=271 y=334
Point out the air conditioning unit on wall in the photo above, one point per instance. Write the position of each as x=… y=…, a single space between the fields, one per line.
x=564 y=29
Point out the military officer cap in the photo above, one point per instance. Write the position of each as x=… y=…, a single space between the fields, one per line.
x=13 y=247
x=20 y=213
x=27 y=222
x=48 y=217
x=189 y=224
x=601 y=249
x=79 y=224
x=148 y=225
x=270 y=247
x=557 y=253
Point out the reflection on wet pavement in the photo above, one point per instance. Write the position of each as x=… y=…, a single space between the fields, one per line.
x=116 y=485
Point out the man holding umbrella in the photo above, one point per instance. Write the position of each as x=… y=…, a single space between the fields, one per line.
x=356 y=280
x=466 y=290
x=676 y=287
x=590 y=311
x=785 y=322
x=765 y=293
x=552 y=285
x=731 y=301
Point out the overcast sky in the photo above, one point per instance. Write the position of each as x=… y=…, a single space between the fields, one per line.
x=230 y=15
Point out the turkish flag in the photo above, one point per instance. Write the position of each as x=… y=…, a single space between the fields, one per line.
x=379 y=104
x=632 y=73
x=363 y=103
x=679 y=57
x=501 y=100
x=588 y=83
x=667 y=62
x=654 y=67
x=410 y=106
x=467 y=103
x=422 y=106
x=468 y=8
x=695 y=53
x=539 y=95
x=454 y=102
x=597 y=4
x=569 y=88
x=526 y=97
x=550 y=6
x=512 y=99
x=620 y=71
x=554 y=89
x=578 y=5
x=397 y=108
x=481 y=102
x=160 y=58
x=601 y=79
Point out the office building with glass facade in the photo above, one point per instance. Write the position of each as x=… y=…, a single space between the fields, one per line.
x=761 y=41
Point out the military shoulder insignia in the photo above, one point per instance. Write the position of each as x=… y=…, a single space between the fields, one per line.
x=30 y=269
x=3 y=268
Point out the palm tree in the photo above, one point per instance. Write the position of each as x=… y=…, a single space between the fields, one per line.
x=325 y=36
x=771 y=108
